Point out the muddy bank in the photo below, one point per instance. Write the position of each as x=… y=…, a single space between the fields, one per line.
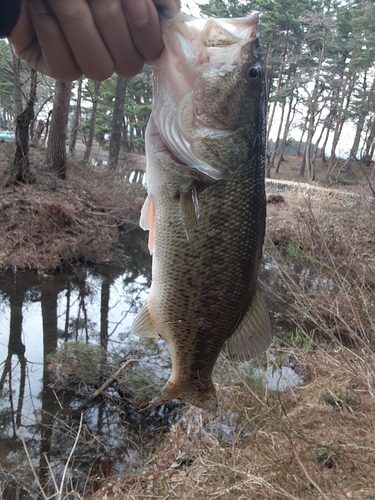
x=52 y=223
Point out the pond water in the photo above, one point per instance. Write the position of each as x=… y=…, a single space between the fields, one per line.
x=95 y=307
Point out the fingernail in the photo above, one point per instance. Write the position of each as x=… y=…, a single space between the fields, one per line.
x=137 y=11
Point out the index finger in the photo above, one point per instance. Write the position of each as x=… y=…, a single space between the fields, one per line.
x=144 y=25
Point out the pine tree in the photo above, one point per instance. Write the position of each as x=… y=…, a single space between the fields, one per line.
x=56 y=148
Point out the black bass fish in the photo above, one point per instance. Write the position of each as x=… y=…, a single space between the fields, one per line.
x=206 y=206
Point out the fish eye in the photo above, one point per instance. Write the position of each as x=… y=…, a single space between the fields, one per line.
x=252 y=75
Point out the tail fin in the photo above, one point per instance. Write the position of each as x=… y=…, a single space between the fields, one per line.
x=202 y=397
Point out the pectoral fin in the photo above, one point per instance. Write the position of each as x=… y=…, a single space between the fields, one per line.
x=143 y=325
x=147 y=221
x=253 y=335
x=189 y=209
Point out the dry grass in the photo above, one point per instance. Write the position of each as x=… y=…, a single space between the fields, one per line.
x=326 y=269
x=316 y=440
x=54 y=222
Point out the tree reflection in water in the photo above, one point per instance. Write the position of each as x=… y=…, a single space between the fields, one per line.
x=93 y=306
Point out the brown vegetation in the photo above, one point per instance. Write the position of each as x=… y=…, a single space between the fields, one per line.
x=56 y=222
x=315 y=440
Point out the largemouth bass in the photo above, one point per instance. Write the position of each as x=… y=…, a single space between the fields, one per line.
x=205 y=210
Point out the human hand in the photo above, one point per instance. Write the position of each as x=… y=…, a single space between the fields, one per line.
x=67 y=38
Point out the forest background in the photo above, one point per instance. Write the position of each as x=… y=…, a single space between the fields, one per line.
x=320 y=84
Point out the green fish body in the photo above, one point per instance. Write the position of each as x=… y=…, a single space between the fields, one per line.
x=206 y=206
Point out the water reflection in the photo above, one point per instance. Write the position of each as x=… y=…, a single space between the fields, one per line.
x=94 y=307
x=37 y=315
x=278 y=379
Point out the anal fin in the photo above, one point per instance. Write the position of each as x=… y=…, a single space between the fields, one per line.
x=253 y=334
x=143 y=325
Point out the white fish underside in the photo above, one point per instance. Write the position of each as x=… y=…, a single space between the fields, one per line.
x=206 y=202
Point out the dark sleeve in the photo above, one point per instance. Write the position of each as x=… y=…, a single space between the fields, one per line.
x=9 y=14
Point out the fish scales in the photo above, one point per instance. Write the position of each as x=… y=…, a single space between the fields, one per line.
x=206 y=210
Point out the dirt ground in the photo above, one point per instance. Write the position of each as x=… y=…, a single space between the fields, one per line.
x=315 y=441
x=54 y=223
x=290 y=185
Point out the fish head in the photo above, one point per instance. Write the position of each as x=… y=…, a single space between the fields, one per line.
x=212 y=114
x=229 y=88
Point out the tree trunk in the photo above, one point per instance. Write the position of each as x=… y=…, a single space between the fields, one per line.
x=364 y=110
x=117 y=120
x=90 y=140
x=358 y=132
x=289 y=120
x=270 y=48
x=48 y=301
x=16 y=66
x=48 y=123
x=313 y=111
x=346 y=91
x=104 y=312
x=131 y=135
x=281 y=71
x=56 y=147
x=34 y=126
x=76 y=119
x=366 y=155
x=21 y=166
x=38 y=133
x=276 y=145
x=328 y=132
x=16 y=348
x=302 y=167
x=302 y=135
x=126 y=132
x=308 y=155
x=370 y=155
x=317 y=142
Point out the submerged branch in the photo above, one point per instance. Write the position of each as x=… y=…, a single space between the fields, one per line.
x=107 y=383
